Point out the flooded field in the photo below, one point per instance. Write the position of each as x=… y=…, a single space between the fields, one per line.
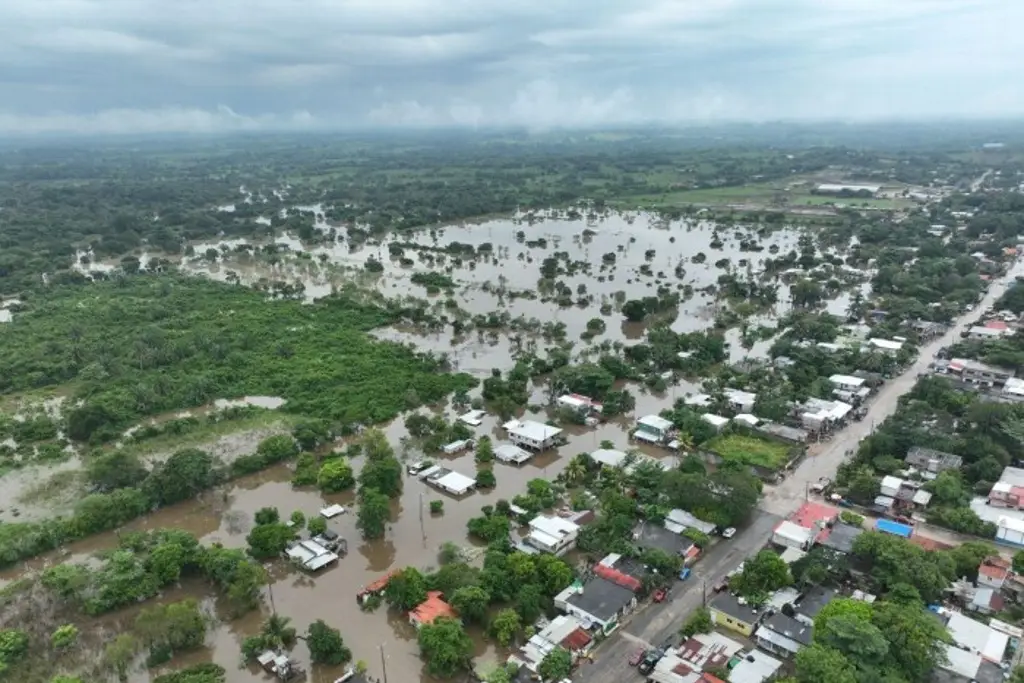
x=547 y=271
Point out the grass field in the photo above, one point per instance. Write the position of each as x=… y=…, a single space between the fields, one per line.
x=750 y=450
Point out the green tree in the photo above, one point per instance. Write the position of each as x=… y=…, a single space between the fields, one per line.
x=556 y=665
x=298 y=519
x=278 y=632
x=634 y=310
x=326 y=645
x=858 y=639
x=267 y=541
x=762 y=575
x=64 y=637
x=116 y=470
x=666 y=566
x=505 y=626
x=554 y=573
x=119 y=654
x=374 y=512
x=335 y=475
x=698 y=622
x=842 y=607
x=277 y=448
x=182 y=476
x=1018 y=561
x=446 y=647
x=406 y=589
x=382 y=470
x=311 y=433
x=471 y=603
x=316 y=525
x=529 y=602
x=198 y=673
x=818 y=663
x=267 y=515
x=916 y=639
x=484 y=452
x=485 y=479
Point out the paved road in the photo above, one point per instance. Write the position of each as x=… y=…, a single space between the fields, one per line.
x=657 y=623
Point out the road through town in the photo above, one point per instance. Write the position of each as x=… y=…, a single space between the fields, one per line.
x=657 y=623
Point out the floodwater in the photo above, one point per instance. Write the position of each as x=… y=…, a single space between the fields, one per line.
x=648 y=253
x=682 y=256
x=414 y=538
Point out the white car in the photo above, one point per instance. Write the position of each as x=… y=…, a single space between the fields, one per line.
x=729 y=533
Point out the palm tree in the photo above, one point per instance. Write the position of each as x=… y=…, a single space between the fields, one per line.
x=278 y=631
x=576 y=470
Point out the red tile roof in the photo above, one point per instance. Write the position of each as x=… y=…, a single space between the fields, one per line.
x=996 y=602
x=432 y=608
x=708 y=678
x=617 y=577
x=378 y=585
x=995 y=568
x=577 y=640
x=996 y=325
x=928 y=543
x=811 y=512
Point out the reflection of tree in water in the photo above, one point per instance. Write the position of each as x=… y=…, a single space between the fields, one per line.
x=237 y=522
x=379 y=554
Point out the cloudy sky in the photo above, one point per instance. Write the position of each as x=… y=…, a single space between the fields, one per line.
x=106 y=66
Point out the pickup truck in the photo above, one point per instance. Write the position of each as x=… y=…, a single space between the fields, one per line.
x=649 y=661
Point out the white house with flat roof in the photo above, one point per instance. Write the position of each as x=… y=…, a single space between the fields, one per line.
x=511 y=453
x=846 y=382
x=653 y=428
x=534 y=435
x=608 y=457
x=552 y=534
x=885 y=345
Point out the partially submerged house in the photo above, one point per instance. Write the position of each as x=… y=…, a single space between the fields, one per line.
x=535 y=436
x=430 y=610
x=310 y=555
x=653 y=428
x=510 y=453
x=448 y=480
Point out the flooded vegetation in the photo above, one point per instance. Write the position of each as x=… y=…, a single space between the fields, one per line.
x=221 y=370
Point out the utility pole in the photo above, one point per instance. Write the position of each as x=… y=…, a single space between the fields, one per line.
x=383 y=663
x=270 y=592
x=704 y=592
x=423 y=530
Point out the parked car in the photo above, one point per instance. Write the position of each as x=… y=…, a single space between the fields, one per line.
x=684 y=574
x=660 y=595
x=650 y=660
x=635 y=658
x=729 y=533
x=721 y=585
x=820 y=485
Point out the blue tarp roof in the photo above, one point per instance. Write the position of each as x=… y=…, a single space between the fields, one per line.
x=894 y=528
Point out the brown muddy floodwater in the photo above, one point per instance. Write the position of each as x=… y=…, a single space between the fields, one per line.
x=484 y=286
x=414 y=538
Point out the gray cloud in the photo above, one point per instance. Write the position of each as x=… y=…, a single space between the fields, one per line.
x=106 y=66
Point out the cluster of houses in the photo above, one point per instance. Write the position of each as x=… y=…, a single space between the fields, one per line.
x=981 y=644
x=694 y=659
x=608 y=592
x=1004 y=507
